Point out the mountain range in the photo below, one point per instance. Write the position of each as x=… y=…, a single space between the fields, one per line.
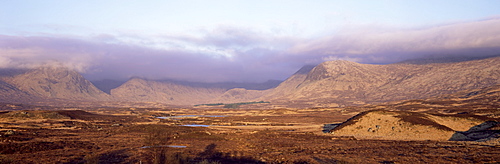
x=329 y=84
x=340 y=83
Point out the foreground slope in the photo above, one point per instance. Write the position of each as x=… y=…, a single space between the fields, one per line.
x=483 y=102
x=402 y=125
x=470 y=115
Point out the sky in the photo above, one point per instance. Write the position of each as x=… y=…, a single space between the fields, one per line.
x=236 y=40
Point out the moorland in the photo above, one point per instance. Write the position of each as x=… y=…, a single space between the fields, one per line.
x=336 y=112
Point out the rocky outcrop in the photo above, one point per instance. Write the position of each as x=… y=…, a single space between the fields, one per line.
x=487 y=131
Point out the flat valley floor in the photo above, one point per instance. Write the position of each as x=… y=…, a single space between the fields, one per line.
x=142 y=135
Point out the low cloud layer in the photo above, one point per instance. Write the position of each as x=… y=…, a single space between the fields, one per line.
x=376 y=45
x=241 y=54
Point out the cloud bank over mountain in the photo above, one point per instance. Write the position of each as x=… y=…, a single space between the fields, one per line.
x=234 y=53
x=382 y=45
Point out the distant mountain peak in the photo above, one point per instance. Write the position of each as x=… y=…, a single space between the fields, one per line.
x=53 y=72
x=332 y=69
x=57 y=82
x=340 y=63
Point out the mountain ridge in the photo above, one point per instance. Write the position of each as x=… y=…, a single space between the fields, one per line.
x=349 y=83
x=329 y=84
x=141 y=90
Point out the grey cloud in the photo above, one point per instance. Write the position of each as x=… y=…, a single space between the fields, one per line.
x=240 y=54
x=29 y=52
x=119 y=60
x=379 y=46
